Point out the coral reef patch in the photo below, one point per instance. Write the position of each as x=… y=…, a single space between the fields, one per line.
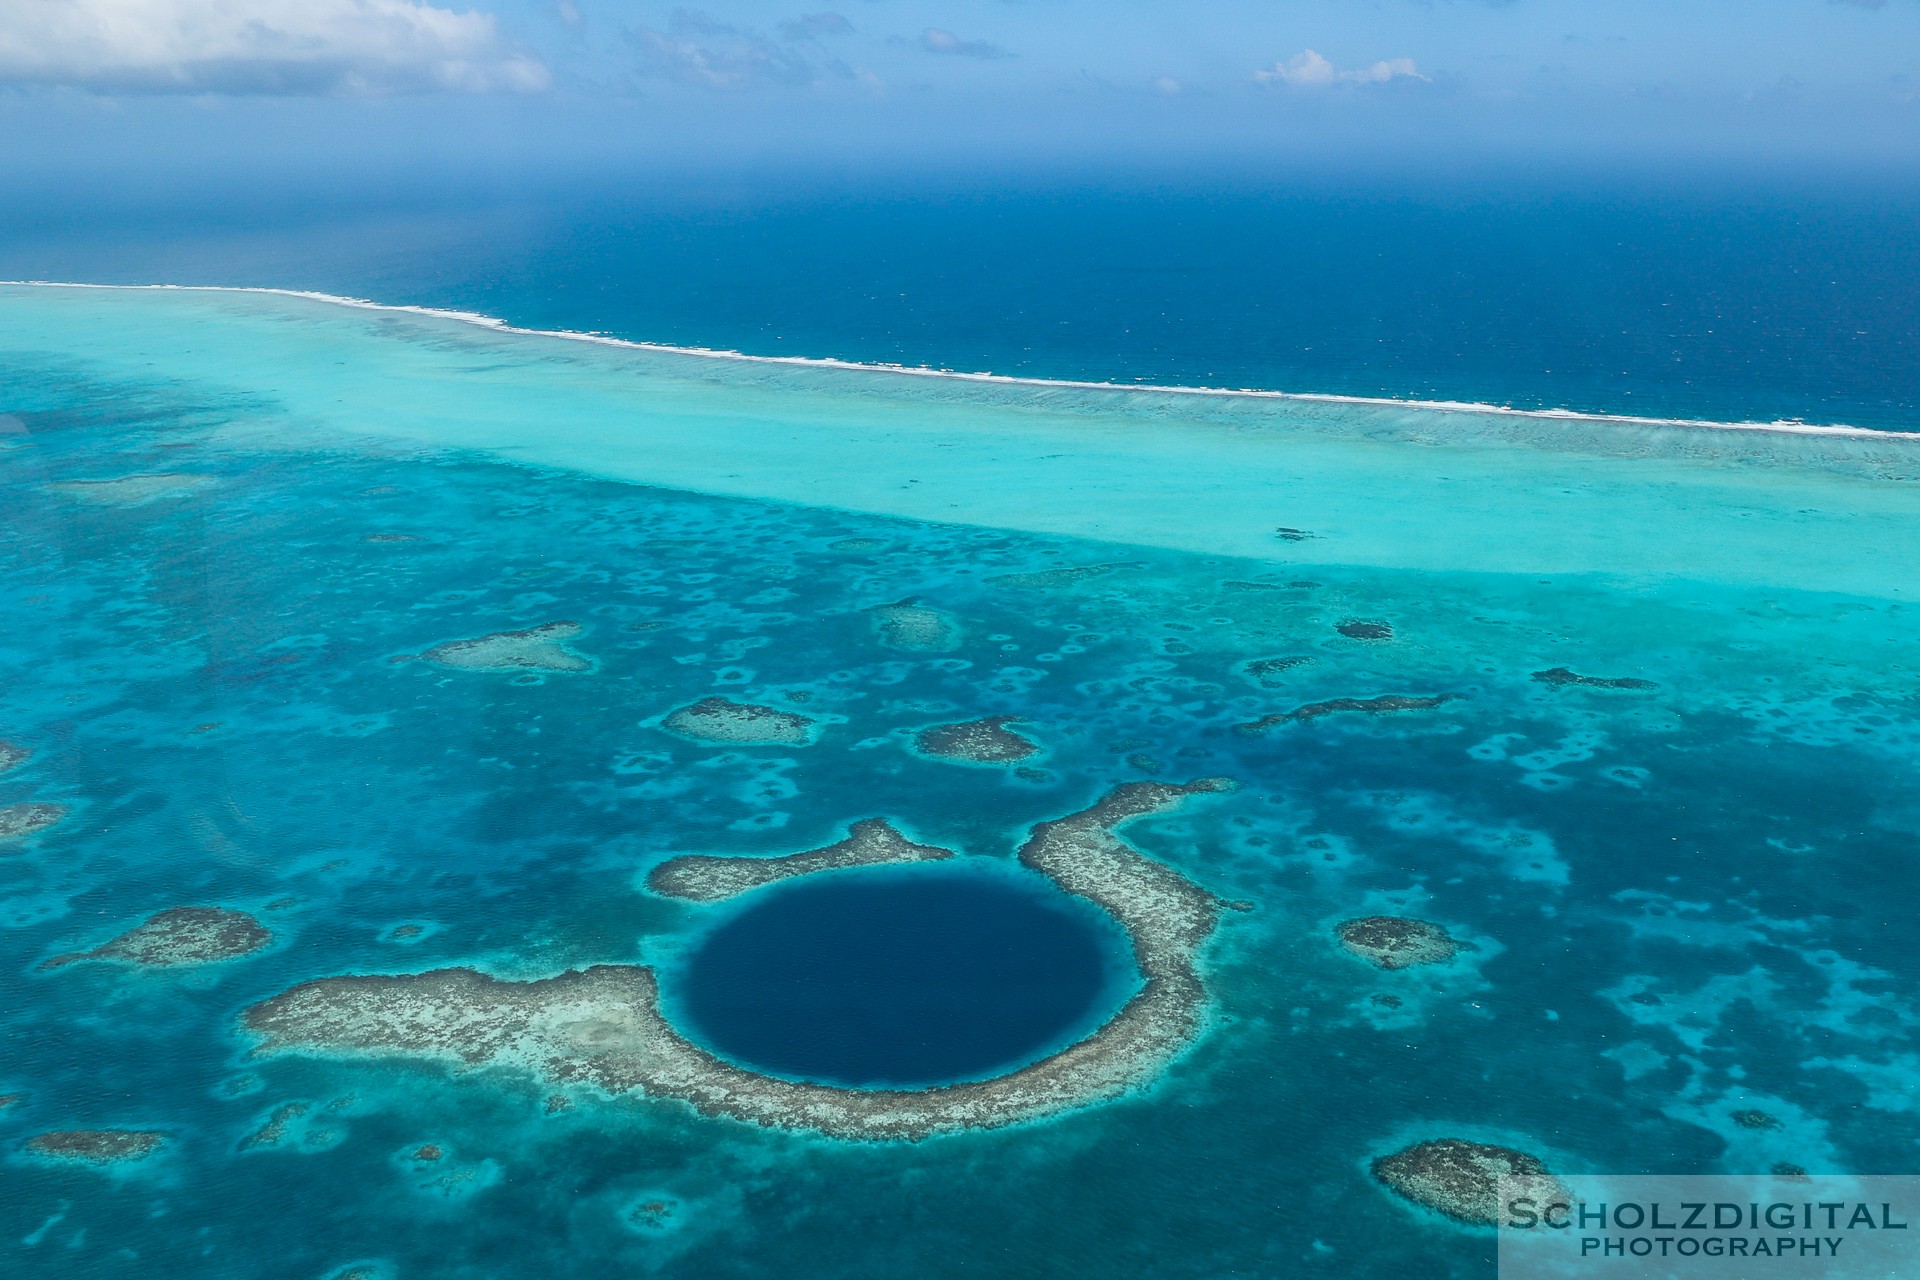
x=1362 y=629
x=1265 y=671
x=1560 y=677
x=97 y=1146
x=1461 y=1179
x=602 y=1026
x=538 y=648
x=913 y=627
x=12 y=755
x=17 y=821
x=1044 y=578
x=1396 y=942
x=870 y=843
x=179 y=936
x=274 y=1130
x=983 y=741
x=132 y=491
x=739 y=723
x=1371 y=706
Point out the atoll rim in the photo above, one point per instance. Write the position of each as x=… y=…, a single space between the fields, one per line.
x=602 y=1026
x=870 y=842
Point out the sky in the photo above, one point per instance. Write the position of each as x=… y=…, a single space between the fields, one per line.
x=117 y=86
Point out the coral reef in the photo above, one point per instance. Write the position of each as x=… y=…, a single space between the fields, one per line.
x=1044 y=578
x=1361 y=629
x=984 y=741
x=915 y=628
x=602 y=1026
x=1263 y=671
x=1395 y=942
x=869 y=843
x=1462 y=1179
x=1560 y=677
x=1371 y=706
x=270 y=1133
x=132 y=491
x=535 y=649
x=179 y=936
x=97 y=1146
x=17 y=821
x=12 y=755
x=739 y=723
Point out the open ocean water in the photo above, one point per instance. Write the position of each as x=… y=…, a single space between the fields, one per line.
x=1630 y=709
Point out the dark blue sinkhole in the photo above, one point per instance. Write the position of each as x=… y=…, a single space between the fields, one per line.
x=901 y=977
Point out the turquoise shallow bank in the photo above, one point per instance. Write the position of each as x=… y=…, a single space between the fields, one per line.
x=1630 y=710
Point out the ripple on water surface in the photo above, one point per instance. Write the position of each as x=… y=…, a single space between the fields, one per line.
x=901 y=978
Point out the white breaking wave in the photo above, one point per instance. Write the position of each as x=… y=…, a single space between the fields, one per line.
x=1792 y=426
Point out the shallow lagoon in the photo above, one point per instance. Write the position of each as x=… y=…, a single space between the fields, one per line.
x=1684 y=901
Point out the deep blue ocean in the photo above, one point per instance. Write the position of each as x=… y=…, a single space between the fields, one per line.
x=1628 y=711
x=1720 y=294
x=899 y=979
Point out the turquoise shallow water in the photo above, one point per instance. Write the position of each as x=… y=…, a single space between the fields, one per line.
x=1685 y=901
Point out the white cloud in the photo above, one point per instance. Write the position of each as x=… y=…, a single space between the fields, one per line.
x=934 y=40
x=697 y=48
x=812 y=26
x=257 y=46
x=1308 y=69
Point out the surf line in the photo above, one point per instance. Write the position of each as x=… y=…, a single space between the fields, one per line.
x=1788 y=426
